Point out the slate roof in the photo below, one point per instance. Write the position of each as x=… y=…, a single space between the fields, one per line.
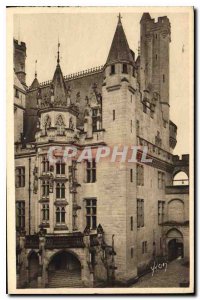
x=119 y=50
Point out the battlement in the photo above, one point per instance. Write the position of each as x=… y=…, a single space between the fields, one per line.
x=19 y=45
x=162 y=23
x=184 y=159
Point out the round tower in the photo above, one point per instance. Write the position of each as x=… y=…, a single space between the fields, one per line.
x=19 y=60
x=118 y=88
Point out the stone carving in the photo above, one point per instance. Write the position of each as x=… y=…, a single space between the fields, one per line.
x=69 y=91
x=71 y=123
x=47 y=123
x=59 y=121
x=158 y=140
x=78 y=97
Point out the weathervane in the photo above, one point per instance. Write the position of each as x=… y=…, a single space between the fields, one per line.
x=58 y=59
x=36 y=68
x=119 y=17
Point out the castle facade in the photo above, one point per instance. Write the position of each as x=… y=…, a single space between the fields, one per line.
x=88 y=223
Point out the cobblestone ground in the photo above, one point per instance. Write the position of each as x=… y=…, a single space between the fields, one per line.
x=174 y=274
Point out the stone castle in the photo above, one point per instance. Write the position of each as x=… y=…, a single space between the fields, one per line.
x=93 y=224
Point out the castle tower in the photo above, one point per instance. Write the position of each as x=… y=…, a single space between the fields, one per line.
x=19 y=61
x=154 y=58
x=118 y=88
x=119 y=106
x=19 y=109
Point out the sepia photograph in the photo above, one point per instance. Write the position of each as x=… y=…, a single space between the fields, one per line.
x=100 y=186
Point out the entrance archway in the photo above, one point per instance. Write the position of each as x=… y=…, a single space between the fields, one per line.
x=64 y=270
x=175 y=244
x=33 y=267
x=175 y=249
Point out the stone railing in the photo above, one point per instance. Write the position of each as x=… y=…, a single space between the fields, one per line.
x=177 y=189
x=76 y=75
x=175 y=223
x=59 y=242
x=32 y=241
x=155 y=150
x=67 y=135
x=83 y=73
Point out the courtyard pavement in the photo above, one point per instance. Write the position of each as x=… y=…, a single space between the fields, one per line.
x=175 y=273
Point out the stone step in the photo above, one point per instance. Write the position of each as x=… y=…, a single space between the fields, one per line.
x=63 y=278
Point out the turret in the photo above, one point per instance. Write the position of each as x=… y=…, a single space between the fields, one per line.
x=35 y=84
x=19 y=61
x=118 y=88
x=56 y=112
x=120 y=61
x=154 y=59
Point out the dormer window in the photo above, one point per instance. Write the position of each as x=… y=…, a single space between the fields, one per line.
x=125 y=69
x=112 y=69
x=60 y=125
x=94 y=119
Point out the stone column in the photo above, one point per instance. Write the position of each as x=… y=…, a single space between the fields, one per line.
x=41 y=275
x=86 y=276
x=39 y=279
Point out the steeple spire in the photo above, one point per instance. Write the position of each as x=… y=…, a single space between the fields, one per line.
x=119 y=18
x=119 y=50
x=36 y=68
x=58 y=83
x=58 y=57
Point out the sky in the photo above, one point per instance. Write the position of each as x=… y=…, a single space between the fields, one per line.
x=85 y=40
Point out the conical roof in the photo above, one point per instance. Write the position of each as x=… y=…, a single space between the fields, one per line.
x=59 y=85
x=35 y=84
x=119 y=50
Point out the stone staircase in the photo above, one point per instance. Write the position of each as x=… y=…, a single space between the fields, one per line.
x=33 y=283
x=64 y=278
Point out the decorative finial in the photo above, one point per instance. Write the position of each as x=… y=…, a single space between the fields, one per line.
x=119 y=17
x=36 y=68
x=58 y=58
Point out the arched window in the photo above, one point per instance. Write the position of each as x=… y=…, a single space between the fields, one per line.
x=112 y=69
x=124 y=68
x=60 y=215
x=60 y=125
x=45 y=188
x=60 y=167
x=60 y=191
x=180 y=178
x=45 y=212
x=45 y=164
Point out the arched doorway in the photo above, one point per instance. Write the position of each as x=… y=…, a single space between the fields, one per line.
x=180 y=178
x=33 y=267
x=175 y=244
x=64 y=270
